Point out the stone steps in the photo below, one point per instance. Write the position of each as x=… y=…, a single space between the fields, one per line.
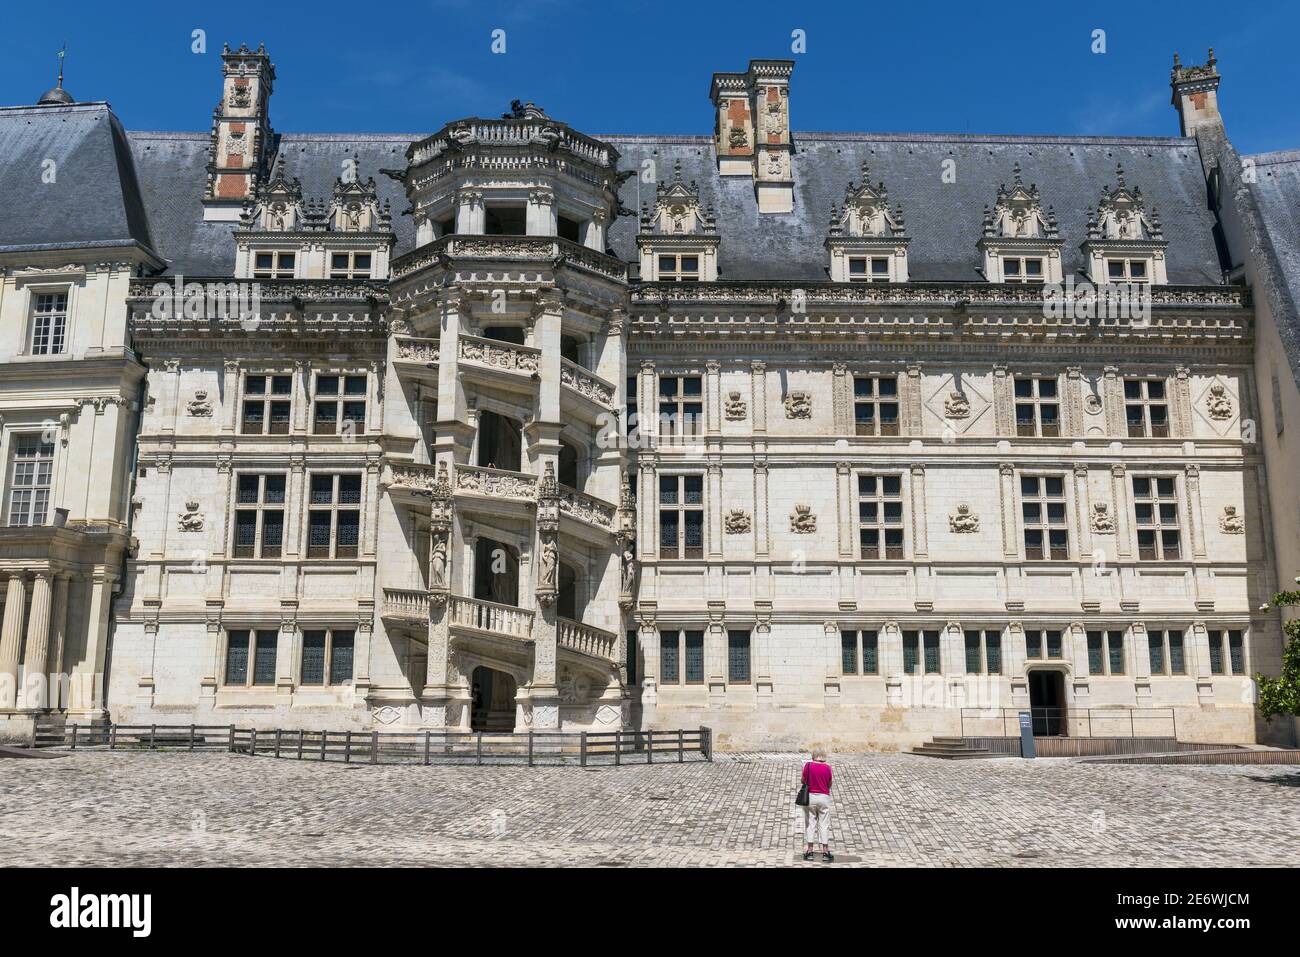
x=951 y=749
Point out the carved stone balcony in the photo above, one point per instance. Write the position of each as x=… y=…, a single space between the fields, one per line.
x=490 y=618
x=458 y=253
x=591 y=513
x=497 y=491
x=406 y=606
x=585 y=389
x=587 y=640
x=415 y=357
x=410 y=483
x=502 y=364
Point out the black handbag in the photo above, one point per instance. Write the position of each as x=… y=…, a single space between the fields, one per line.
x=801 y=799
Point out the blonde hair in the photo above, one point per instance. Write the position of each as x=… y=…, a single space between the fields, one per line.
x=819 y=754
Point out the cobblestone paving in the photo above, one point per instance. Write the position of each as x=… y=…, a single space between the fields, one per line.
x=890 y=809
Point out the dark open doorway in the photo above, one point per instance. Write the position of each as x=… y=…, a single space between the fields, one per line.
x=494 y=700
x=1047 y=702
x=496 y=572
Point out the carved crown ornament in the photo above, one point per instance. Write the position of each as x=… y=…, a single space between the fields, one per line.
x=1121 y=214
x=963 y=520
x=802 y=520
x=865 y=212
x=1018 y=213
x=677 y=210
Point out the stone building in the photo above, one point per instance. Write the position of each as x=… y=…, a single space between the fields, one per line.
x=807 y=437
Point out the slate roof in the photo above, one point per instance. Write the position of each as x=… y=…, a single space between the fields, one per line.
x=943 y=219
x=1277 y=197
x=94 y=198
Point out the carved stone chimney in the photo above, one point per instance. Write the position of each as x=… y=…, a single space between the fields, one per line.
x=1196 y=94
x=239 y=156
x=752 y=130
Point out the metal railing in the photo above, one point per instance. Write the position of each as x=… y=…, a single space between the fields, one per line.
x=1072 y=722
x=579 y=748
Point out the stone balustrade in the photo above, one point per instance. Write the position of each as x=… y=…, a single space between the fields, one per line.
x=587 y=640
x=499 y=355
x=587 y=384
x=407 y=604
x=414 y=349
x=587 y=508
x=497 y=483
x=489 y=616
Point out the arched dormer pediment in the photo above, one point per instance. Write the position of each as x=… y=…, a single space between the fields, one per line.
x=277 y=206
x=355 y=205
x=1020 y=241
x=678 y=240
x=866 y=240
x=1125 y=242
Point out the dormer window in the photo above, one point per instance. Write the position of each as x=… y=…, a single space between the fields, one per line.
x=679 y=268
x=678 y=240
x=867 y=241
x=349 y=265
x=1022 y=269
x=868 y=269
x=274 y=265
x=1020 y=241
x=1125 y=243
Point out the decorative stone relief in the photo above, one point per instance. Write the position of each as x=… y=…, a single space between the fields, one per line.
x=1231 y=522
x=586 y=385
x=190 y=520
x=494 y=483
x=386 y=715
x=1103 y=523
x=737 y=522
x=736 y=407
x=200 y=406
x=499 y=356
x=574 y=686
x=1092 y=403
x=418 y=351
x=956 y=405
x=798 y=405
x=802 y=520
x=1218 y=403
x=964 y=520
x=241 y=97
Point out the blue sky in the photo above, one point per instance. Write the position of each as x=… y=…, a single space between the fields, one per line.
x=632 y=67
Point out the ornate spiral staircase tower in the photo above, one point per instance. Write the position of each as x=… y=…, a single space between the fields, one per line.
x=506 y=340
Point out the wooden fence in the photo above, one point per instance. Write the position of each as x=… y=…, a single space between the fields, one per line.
x=578 y=748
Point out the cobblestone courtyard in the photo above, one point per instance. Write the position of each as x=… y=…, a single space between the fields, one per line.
x=891 y=809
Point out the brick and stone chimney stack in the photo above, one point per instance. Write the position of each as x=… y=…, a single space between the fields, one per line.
x=752 y=130
x=1196 y=95
x=239 y=157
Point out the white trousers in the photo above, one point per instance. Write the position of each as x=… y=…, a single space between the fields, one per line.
x=817 y=819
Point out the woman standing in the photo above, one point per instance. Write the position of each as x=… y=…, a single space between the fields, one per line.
x=817 y=814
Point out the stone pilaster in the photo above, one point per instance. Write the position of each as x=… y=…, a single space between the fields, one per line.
x=11 y=640
x=35 y=660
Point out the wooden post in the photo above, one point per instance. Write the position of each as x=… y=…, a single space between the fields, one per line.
x=347 y=748
x=322 y=746
x=530 y=747
x=74 y=736
x=649 y=747
x=153 y=737
x=231 y=746
x=582 y=748
x=301 y=734
x=618 y=748
x=426 y=747
x=112 y=736
x=681 y=747
x=478 y=747
x=252 y=742
x=374 y=747
x=277 y=742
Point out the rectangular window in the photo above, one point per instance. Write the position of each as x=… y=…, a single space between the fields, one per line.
x=1106 y=652
x=670 y=647
x=738 y=657
x=49 y=324
x=274 y=265
x=256 y=647
x=327 y=652
x=984 y=652
x=681 y=516
x=868 y=269
x=1038 y=410
x=31 y=478
x=1155 y=511
x=921 y=648
x=681 y=406
x=1165 y=648
x=859 y=652
x=875 y=405
x=679 y=267
x=339 y=405
x=349 y=265
x=1227 y=651
x=259 y=515
x=334 y=519
x=267 y=402
x=1043 y=643
x=880 y=516
x=1146 y=409
x=1127 y=270
x=1022 y=269
x=694 y=657
x=1042 y=506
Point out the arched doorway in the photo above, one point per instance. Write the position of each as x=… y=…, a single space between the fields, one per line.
x=496 y=572
x=1047 y=702
x=493 y=707
x=499 y=441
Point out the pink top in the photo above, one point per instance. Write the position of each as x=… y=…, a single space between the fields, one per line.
x=818 y=777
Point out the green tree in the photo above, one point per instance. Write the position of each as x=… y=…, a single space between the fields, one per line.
x=1281 y=695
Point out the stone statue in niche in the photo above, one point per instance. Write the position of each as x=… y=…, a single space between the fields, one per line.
x=956 y=406
x=735 y=408
x=438 y=561
x=798 y=405
x=964 y=520
x=200 y=406
x=1103 y=523
x=737 y=521
x=629 y=569
x=1217 y=402
x=550 y=560
x=190 y=520
x=1231 y=522
x=802 y=520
